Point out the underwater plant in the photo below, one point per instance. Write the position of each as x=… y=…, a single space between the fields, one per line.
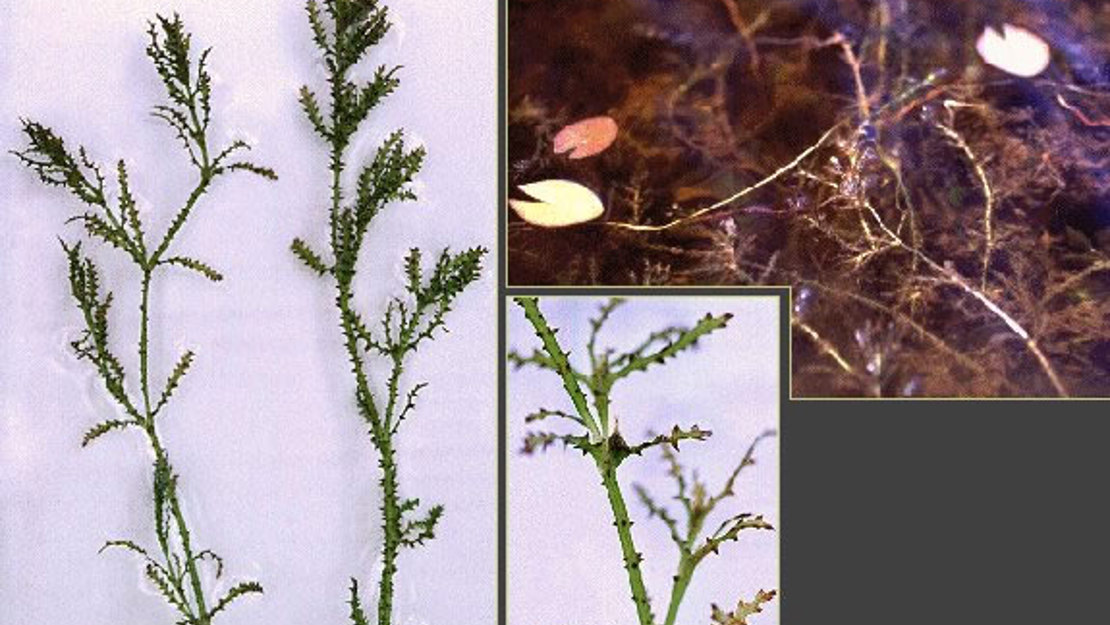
x=345 y=30
x=174 y=566
x=936 y=193
x=597 y=436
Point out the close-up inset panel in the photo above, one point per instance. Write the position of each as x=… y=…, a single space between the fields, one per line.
x=929 y=177
x=643 y=459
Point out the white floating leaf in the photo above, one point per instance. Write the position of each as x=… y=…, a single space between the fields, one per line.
x=561 y=203
x=1015 y=50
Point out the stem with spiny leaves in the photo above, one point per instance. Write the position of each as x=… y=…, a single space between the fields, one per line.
x=352 y=27
x=605 y=445
x=607 y=467
x=121 y=227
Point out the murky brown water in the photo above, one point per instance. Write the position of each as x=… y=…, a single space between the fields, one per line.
x=950 y=235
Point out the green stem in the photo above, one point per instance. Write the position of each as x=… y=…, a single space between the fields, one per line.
x=601 y=405
x=532 y=312
x=623 y=524
x=381 y=435
x=144 y=361
x=180 y=218
x=391 y=529
x=681 y=582
x=202 y=617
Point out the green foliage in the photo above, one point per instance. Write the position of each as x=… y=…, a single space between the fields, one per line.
x=345 y=30
x=697 y=504
x=416 y=531
x=103 y=428
x=174 y=569
x=309 y=257
x=357 y=616
x=203 y=269
x=179 y=371
x=607 y=368
x=238 y=590
x=600 y=439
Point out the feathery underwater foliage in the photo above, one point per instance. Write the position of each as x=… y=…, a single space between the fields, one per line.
x=345 y=30
x=174 y=569
x=599 y=438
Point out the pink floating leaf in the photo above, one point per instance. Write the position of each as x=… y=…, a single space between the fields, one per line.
x=587 y=137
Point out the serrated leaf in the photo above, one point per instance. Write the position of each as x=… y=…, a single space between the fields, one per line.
x=208 y=554
x=125 y=544
x=47 y=155
x=258 y=170
x=172 y=382
x=544 y=413
x=311 y=108
x=128 y=206
x=744 y=609
x=670 y=342
x=412 y=270
x=420 y=530
x=675 y=436
x=103 y=428
x=191 y=263
x=319 y=34
x=561 y=203
x=309 y=257
x=166 y=588
x=540 y=441
x=358 y=617
x=101 y=229
x=238 y=590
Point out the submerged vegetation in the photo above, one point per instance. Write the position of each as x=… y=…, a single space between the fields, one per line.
x=175 y=566
x=345 y=30
x=596 y=435
x=944 y=224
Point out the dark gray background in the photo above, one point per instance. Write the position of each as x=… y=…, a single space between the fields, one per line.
x=944 y=511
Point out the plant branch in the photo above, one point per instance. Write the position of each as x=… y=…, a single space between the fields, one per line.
x=176 y=576
x=345 y=30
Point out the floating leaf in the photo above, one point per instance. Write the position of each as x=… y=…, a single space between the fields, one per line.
x=1015 y=50
x=561 y=203
x=586 y=138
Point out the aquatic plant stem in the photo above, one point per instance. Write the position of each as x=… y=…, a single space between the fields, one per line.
x=380 y=436
x=607 y=466
x=678 y=590
x=345 y=30
x=162 y=463
x=748 y=190
x=602 y=440
x=176 y=576
x=559 y=362
x=951 y=276
x=391 y=529
x=988 y=194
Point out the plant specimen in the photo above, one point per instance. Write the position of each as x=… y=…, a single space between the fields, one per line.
x=345 y=30
x=174 y=566
x=598 y=437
